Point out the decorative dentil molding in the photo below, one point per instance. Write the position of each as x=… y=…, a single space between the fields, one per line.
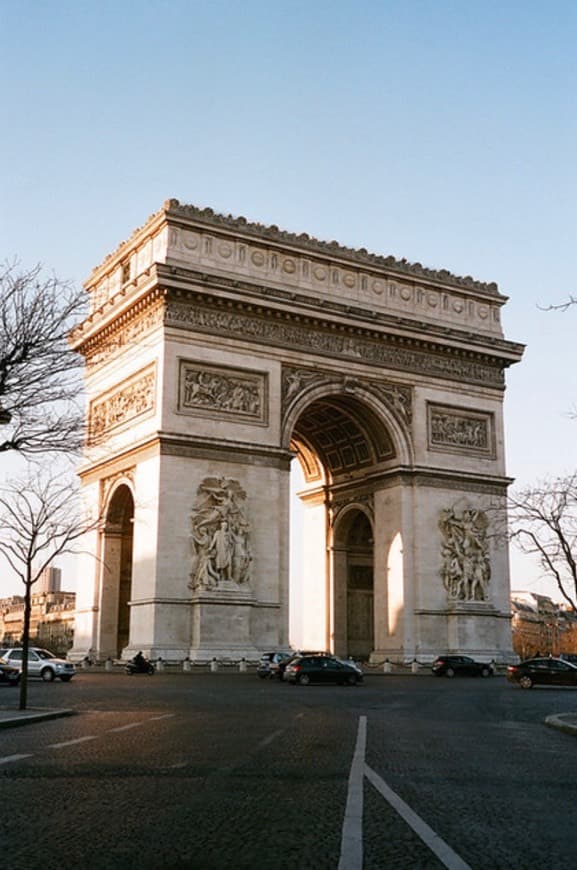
x=466 y=566
x=220 y=536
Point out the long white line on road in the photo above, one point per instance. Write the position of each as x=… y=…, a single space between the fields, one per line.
x=70 y=742
x=352 y=835
x=126 y=727
x=437 y=845
x=158 y=718
x=8 y=758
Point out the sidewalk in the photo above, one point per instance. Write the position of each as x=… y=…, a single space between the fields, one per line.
x=11 y=718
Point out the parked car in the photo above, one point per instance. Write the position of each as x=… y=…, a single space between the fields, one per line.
x=9 y=674
x=41 y=663
x=281 y=673
x=269 y=663
x=453 y=666
x=322 y=669
x=543 y=671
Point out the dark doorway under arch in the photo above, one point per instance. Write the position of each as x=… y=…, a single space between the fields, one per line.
x=117 y=572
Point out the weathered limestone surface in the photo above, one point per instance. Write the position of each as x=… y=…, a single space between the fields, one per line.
x=217 y=351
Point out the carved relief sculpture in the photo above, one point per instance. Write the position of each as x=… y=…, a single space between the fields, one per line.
x=223 y=391
x=220 y=536
x=466 y=569
x=455 y=429
x=135 y=397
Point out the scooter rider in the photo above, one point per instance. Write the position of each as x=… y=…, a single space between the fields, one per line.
x=139 y=661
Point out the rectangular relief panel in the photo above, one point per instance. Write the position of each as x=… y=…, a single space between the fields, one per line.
x=460 y=430
x=222 y=392
x=119 y=407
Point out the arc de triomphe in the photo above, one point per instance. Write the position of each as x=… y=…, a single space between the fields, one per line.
x=219 y=351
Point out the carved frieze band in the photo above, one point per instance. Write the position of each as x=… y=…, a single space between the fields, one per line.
x=221 y=391
x=124 y=332
x=310 y=338
x=134 y=398
x=296 y=380
x=460 y=430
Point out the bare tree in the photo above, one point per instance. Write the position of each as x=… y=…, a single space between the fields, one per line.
x=543 y=523
x=40 y=376
x=41 y=518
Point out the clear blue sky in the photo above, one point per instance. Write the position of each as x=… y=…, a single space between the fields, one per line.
x=442 y=131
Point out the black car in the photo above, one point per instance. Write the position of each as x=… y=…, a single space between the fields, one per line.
x=543 y=671
x=322 y=669
x=282 y=665
x=8 y=674
x=457 y=666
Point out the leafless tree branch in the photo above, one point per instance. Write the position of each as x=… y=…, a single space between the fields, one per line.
x=40 y=376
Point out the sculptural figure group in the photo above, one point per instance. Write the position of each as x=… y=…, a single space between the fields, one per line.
x=220 y=535
x=465 y=552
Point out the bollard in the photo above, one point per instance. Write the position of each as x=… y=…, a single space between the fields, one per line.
x=108 y=664
x=387 y=667
x=414 y=667
x=214 y=666
x=242 y=666
x=186 y=666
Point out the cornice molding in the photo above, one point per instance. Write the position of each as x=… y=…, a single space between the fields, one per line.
x=174 y=210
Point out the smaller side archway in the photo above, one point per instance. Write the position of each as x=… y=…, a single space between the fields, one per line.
x=116 y=572
x=353 y=573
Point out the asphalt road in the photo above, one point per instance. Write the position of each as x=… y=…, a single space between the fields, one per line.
x=228 y=771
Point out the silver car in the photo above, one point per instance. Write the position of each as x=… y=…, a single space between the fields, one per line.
x=41 y=663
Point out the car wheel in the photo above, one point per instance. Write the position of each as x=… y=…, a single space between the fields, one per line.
x=351 y=680
x=526 y=682
x=304 y=680
x=47 y=675
x=485 y=672
x=66 y=679
x=449 y=672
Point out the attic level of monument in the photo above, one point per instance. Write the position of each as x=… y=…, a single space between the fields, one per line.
x=240 y=226
x=277 y=265
x=220 y=356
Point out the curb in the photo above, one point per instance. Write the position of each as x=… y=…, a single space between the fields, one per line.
x=17 y=718
x=561 y=723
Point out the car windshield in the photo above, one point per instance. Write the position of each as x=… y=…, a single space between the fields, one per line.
x=44 y=654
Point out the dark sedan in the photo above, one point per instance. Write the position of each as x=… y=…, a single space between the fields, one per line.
x=543 y=671
x=8 y=674
x=457 y=666
x=322 y=669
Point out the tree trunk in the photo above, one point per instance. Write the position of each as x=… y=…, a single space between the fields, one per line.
x=25 y=641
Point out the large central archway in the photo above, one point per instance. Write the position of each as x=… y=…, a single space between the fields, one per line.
x=343 y=448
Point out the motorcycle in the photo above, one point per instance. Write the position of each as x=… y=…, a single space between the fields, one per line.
x=143 y=667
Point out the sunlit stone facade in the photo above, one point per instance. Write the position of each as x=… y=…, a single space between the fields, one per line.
x=218 y=352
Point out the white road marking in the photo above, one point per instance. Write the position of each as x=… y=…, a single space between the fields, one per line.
x=126 y=727
x=8 y=758
x=70 y=742
x=352 y=834
x=435 y=843
x=270 y=738
x=164 y=716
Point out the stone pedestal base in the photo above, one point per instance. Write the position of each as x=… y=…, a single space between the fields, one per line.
x=221 y=624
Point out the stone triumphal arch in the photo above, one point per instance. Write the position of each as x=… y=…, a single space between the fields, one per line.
x=220 y=351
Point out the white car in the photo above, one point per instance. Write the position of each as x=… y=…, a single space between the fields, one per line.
x=41 y=663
